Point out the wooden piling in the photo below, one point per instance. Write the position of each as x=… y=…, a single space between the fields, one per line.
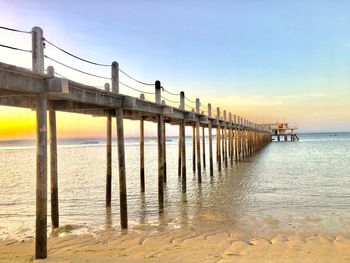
x=160 y=134
x=41 y=179
x=183 y=156
x=142 y=151
x=225 y=138
x=53 y=162
x=235 y=137
x=218 y=139
x=179 y=152
x=121 y=150
x=41 y=150
x=160 y=162
x=122 y=174
x=198 y=144
x=164 y=151
x=142 y=155
x=194 y=148
x=230 y=137
x=203 y=145
x=211 y=166
x=108 y=157
x=239 y=138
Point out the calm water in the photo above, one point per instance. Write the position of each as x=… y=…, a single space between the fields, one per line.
x=299 y=186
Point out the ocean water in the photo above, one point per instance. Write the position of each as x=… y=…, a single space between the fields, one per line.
x=299 y=186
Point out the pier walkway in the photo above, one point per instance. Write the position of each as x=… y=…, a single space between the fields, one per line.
x=45 y=91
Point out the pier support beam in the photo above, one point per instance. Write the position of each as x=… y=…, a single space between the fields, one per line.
x=41 y=179
x=164 y=150
x=122 y=174
x=121 y=150
x=53 y=170
x=235 y=137
x=211 y=166
x=225 y=139
x=203 y=144
x=53 y=162
x=183 y=156
x=160 y=162
x=41 y=150
x=142 y=151
x=179 y=152
x=108 y=157
x=142 y=156
x=218 y=139
x=160 y=134
x=194 y=148
x=198 y=143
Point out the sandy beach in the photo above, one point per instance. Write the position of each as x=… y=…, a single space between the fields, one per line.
x=147 y=244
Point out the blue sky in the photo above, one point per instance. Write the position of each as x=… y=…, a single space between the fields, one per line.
x=286 y=60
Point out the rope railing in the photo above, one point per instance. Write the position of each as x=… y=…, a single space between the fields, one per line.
x=170 y=93
x=141 y=91
x=171 y=101
x=16 y=48
x=75 y=69
x=75 y=56
x=191 y=101
x=95 y=63
x=141 y=82
x=204 y=107
x=15 y=30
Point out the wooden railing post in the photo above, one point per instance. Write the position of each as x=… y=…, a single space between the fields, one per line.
x=115 y=77
x=158 y=96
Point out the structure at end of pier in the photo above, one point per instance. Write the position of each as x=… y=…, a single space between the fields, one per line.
x=284 y=130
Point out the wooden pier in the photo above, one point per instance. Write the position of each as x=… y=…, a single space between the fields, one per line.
x=237 y=138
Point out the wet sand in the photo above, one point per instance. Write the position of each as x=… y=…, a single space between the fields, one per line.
x=148 y=244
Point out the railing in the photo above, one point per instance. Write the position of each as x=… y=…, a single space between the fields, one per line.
x=165 y=96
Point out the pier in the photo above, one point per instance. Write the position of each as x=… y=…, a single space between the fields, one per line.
x=43 y=90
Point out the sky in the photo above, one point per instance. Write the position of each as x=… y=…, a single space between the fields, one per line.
x=264 y=60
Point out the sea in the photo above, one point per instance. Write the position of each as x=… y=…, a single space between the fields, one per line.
x=286 y=187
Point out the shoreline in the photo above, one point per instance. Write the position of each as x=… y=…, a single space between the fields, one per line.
x=150 y=244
